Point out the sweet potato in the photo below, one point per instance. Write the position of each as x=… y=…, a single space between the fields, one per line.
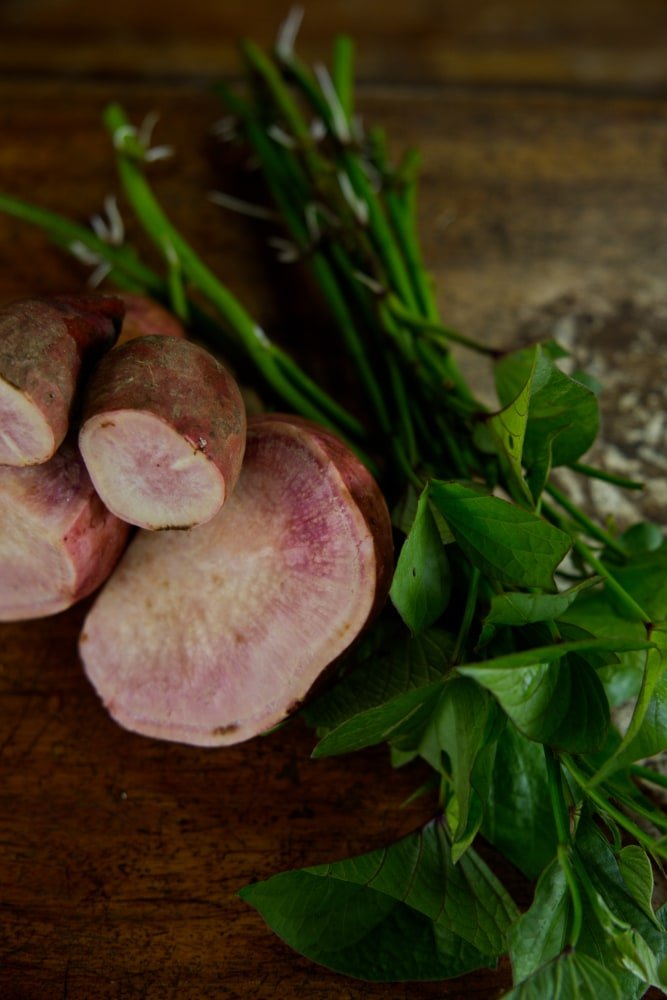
x=214 y=635
x=163 y=432
x=145 y=318
x=58 y=542
x=43 y=345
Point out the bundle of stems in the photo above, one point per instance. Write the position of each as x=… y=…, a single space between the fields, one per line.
x=353 y=217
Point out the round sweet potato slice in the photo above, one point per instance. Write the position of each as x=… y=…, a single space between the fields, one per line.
x=214 y=635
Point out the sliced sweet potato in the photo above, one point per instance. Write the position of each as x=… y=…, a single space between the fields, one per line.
x=163 y=432
x=43 y=345
x=214 y=635
x=58 y=542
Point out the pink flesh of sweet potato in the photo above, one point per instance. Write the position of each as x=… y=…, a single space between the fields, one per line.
x=58 y=542
x=214 y=635
x=43 y=344
x=163 y=432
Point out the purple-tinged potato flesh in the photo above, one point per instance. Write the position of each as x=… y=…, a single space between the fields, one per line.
x=58 y=542
x=214 y=635
x=163 y=432
x=43 y=345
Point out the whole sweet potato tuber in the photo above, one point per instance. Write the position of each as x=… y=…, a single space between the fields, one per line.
x=214 y=635
x=144 y=318
x=163 y=432
x=58 y=542
x=43 y=345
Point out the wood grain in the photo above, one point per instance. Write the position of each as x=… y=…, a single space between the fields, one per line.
x=542 y=213
x=600 y=44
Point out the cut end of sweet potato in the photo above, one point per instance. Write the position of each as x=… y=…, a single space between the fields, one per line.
x=163 y=432
x=148 y=473
x=58 y=542
x=214 y=635
x=43 y=345
x=26 y=435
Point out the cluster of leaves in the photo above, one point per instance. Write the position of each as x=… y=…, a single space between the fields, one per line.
x=517 y=621
x=504 y=679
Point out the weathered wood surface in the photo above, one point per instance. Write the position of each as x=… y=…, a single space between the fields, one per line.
x=601 y=44
x=542 y=213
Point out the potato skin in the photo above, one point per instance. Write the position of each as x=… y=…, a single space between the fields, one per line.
x=44 y=345
x=144 y=318
x=93 y=321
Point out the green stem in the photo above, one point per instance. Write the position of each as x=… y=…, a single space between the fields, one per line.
x=589 y=526
x=405 y=465
x=558 y=804
x=564 y=851
x=406 y=428
x=575 y=895
x=379 y=229
x=634 y=610
x=178 y=298
x=648 y=774
x=629 y=604
x=156 y=224
x=652 y=846
x=128 y=271
x=353 y=340
x=653 y=816
x=647 y=812
x=264 y=67
x=122 y=259
x=342 y=73
x=607 y=477
x=401 y=206
x=440 y=334
x=545 y=654
x=468 y=614
x=283 y=181
x=598 y=905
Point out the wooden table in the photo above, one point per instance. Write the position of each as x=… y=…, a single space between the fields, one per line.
x=543 y=211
